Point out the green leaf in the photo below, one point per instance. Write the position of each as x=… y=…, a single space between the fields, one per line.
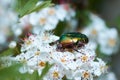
x=35 y=75
x=31 y=6
x=27 y=76
x=9 y=72
x=7 y=52
x=12 y=73
x=10 y=51
x=41 y=6
x=45 y=70
x=20 y=4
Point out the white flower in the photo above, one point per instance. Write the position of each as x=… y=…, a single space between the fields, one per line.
x=17 y=29
x=70 y=12
x=42 y=22
x=47 y=18
x=34 y=60
x=2 y=38
x=8 y=18
x=69 y=74
x=60 y=9
x=66 y=59
x=35 y=51
x=41 y=61
x=86 y=55
x=96 y=27
x=55 y=73
x=99 y=67
x=24 y=21
x=6 y=3
x=83 y=75
x=108 y=41
x=99 y=34
x=12 y=17
x=25 y=69
x=12 y=44
x=93 y=45
x=111 y=76
x=6 y=61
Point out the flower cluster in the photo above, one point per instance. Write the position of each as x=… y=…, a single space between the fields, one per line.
x=100 y=34
x=36 y=51
x=7 y=19
x=9 y=28
x=48 y=18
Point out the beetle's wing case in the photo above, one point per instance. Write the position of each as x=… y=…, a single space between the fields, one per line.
x=65 y=39
x=73 y=37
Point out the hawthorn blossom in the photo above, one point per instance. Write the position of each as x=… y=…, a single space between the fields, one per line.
x=100 y=34
x=8 y=18
x=55 y=73
x=83 y=75
x=96 y=27
x=36 y=52
x=48 y=18
x=108 y=41
x=93 y=29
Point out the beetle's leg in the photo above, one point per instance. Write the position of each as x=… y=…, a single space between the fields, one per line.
x=80 y=44
x=52 y=43
x=77 y=50
x=59 y=47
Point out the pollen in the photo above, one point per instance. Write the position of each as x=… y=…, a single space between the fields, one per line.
x=63 y=60
x=51 y=11
x=86 y=75
x=37 y=53
x=94 y=32
x=28 y=42
x=55 y=74
x=84 y=58
x=42 y=64
x=111 y=42
x=42 y=21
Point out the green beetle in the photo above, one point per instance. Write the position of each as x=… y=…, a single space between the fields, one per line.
x=71 y=41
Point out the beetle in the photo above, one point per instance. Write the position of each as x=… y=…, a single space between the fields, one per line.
x=71 y=41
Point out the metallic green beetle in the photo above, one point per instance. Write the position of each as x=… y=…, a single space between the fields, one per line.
x=71 y=41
